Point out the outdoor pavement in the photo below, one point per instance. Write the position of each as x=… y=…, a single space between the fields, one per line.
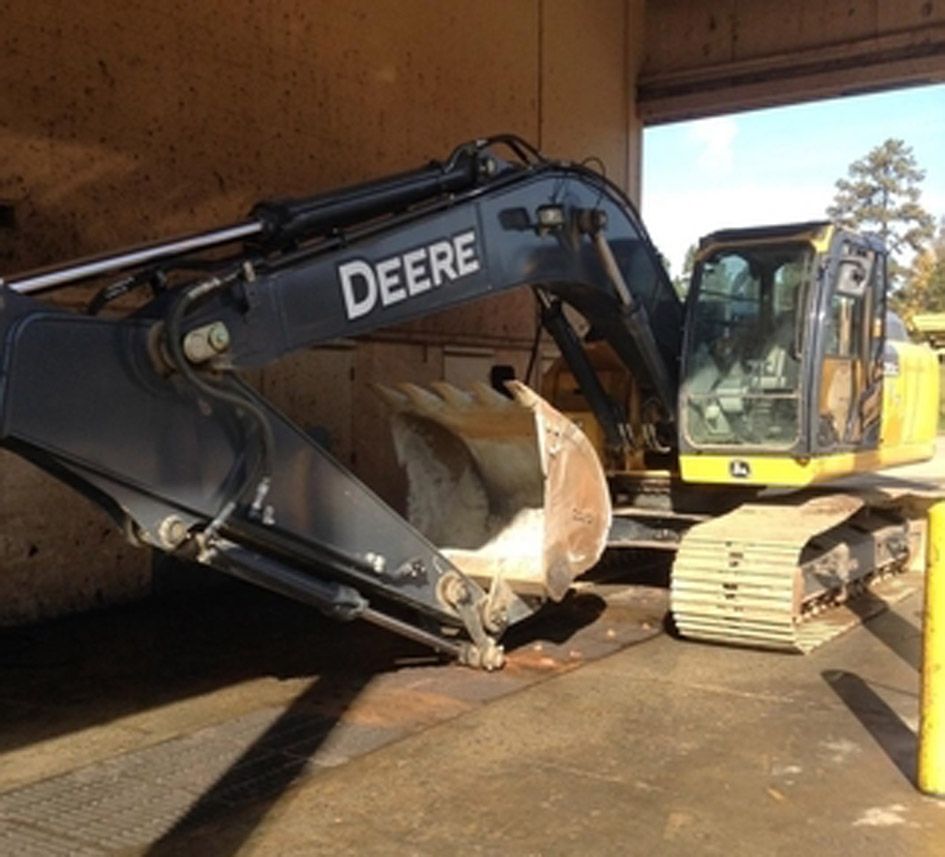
x=227 y=721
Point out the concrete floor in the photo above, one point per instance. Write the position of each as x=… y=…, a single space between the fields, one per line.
x=666 y=748
x=231 y=722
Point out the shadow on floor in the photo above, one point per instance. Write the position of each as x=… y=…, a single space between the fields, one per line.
x=898 y=634
x=896 y=739
x=556 y=623
x=66 y=676
x=70 y=674
x=249 y=789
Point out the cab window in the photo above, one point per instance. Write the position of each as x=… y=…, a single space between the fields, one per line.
x=742 y=385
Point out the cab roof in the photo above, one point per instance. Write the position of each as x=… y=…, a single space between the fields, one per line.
x=799 y=231
x=812 y=230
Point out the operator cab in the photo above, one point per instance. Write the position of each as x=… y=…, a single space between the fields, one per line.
x=783 y=351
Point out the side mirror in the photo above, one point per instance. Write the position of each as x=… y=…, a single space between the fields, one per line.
x=852 y=277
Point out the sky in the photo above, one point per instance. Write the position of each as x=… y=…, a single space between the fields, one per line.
x=779 y=165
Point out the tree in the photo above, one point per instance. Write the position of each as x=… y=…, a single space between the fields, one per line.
x=881 y=194
x=681 y=283
x=924 y=289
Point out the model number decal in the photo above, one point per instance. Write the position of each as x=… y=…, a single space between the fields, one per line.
x=365 y=285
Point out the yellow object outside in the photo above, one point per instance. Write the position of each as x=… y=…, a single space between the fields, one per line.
x=931 y=328
x=931 y=768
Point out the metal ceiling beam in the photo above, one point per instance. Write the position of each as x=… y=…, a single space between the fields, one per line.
x=912 y=57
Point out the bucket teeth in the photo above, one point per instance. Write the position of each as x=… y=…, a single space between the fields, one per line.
x=394 y=398
x=423 y=401
x=444 y=396
x=453 y=396
x=523 y=394
x=445 y=402
x=487 y=397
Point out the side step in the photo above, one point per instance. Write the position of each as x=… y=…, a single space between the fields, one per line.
x=760 y=576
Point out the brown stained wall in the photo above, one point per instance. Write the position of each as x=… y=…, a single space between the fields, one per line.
x=128 y=121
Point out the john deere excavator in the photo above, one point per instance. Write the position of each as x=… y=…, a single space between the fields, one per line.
x=793 y=374
x=777 y=371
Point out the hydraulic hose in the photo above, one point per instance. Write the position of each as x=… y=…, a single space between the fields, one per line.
x=259 y=476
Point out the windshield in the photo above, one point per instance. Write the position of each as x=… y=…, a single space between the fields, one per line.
x=742 y=384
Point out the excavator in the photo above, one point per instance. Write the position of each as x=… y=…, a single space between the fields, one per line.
x=662 y=423
x=793 y=374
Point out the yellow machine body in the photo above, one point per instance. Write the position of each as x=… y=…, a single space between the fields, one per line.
x=792 y=374
x=860 y=397
x=908 y=421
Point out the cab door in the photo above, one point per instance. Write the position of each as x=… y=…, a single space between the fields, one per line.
x=849 y=386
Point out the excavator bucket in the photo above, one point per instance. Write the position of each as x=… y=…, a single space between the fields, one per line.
x=505 y=487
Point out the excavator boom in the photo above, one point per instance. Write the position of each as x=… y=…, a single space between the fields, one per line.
x=146 y=414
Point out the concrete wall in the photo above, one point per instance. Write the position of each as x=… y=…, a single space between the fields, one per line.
x=703 y=58
x=127 y=121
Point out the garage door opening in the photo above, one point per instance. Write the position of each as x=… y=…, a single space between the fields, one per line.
x=780 y=165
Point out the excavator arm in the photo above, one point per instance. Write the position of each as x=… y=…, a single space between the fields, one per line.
x=146 y=414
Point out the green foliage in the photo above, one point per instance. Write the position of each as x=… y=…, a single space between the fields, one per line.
x=924 y=286
x=881 y=194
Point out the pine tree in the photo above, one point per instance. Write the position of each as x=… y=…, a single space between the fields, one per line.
x=881 y=194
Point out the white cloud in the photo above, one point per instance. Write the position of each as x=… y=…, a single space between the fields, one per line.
x=676 y=220
x=715 y=138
